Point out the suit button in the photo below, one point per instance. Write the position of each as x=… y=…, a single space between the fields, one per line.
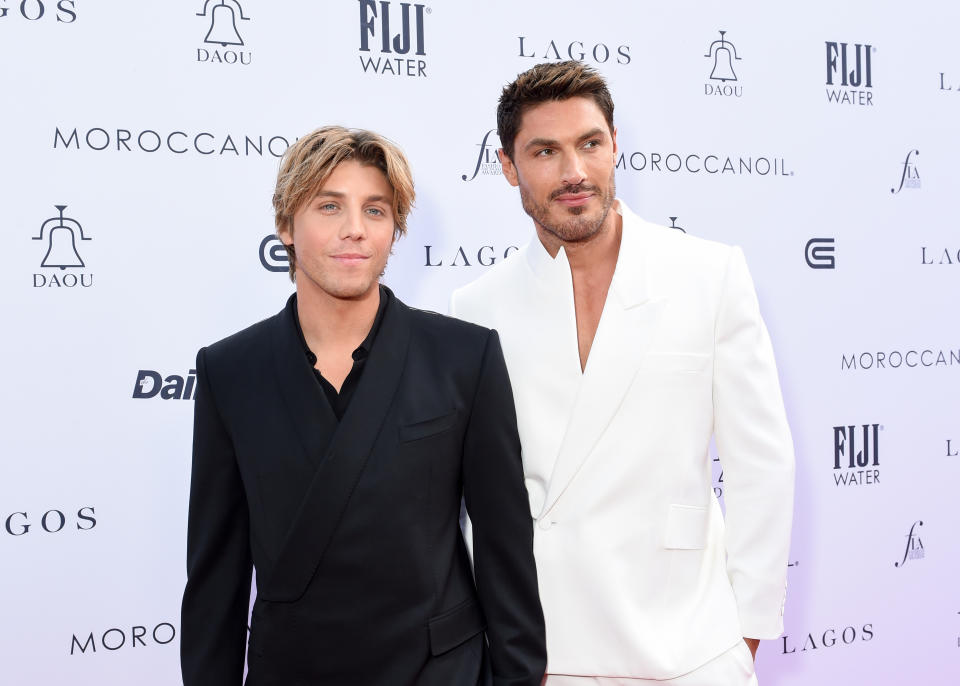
x=544 y=524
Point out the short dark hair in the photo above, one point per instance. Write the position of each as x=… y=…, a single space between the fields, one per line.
x=546 y=82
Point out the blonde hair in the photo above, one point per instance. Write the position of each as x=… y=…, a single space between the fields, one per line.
x=308 y=163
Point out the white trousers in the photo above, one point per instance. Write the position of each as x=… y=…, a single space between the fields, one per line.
x=732 y=668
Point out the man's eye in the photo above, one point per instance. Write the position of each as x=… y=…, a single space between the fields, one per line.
x=328 y=207
x=592 y=144
x=546 y=152
x=376 y=211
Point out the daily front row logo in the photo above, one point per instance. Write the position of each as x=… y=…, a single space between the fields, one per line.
x=381 y=39
x=152 y=384
x=62 y=236
x=849 y=73
x=222 y=43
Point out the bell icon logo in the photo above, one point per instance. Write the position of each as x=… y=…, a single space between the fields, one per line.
x=223 y=22
x=224 y=16
x=723 y=54
x=61 y=241
x=61 y=234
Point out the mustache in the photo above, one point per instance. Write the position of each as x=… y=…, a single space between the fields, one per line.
x=579 y=188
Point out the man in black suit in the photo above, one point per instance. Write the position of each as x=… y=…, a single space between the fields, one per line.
x=332 y=445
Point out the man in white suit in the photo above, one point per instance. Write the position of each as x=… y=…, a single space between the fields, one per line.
x=629 y=345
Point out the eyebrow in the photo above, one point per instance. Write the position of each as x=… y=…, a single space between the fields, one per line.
x=549 y=142
x=340 y=195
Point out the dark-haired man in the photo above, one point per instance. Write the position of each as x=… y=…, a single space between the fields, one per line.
x=332 y=444
x=628 y=346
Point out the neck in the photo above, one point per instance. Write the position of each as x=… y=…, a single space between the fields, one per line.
x=592 y=255
x=329 y=322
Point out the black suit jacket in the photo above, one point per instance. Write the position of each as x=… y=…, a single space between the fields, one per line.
x=363 y=578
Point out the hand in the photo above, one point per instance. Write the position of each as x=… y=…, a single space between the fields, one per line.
x=752 y=644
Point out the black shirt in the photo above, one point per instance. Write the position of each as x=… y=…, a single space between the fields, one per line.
x=340 y=401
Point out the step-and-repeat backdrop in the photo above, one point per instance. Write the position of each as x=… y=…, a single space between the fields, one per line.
x=139 y=144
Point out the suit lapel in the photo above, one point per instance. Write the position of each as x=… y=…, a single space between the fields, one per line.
x=344 y=460
x=627 y=325
x=305 y=402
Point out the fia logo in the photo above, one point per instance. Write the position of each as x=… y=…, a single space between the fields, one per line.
x=223 y=31
x=488 y=162
x=852 y=66
x=909 y=177
x=273 y=256
x=819 y=253
x=61 y=234
x=375 y=23
x=673 y=225
x=845 y=451
x=723 y=53
x=914 y=549
x=34 y=10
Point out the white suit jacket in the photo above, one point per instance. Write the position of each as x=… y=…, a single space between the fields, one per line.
x=640 y=576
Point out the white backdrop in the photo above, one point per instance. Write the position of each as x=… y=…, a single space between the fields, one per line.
x=169 y=177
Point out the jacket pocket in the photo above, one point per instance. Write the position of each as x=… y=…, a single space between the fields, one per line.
x=451 y=628
x=675 y=362
x=427 y=427
x=686 y=528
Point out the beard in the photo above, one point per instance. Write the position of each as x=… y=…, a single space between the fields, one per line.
x=572 y=224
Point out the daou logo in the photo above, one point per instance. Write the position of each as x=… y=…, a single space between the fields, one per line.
x=723 y=78
x=61 y=235
x=223 y=30
x=65 y=11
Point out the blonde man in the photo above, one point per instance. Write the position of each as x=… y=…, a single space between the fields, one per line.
x=332 y=444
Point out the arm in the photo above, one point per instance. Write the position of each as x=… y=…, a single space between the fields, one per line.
x=217 y=596
x=496 y=500
x=756 y=450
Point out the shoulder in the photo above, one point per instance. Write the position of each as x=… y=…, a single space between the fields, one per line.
x=245 y=344
x=496 y=280
x=454 y=331
x=669 y=242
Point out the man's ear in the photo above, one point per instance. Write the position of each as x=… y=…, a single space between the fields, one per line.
x=509 y=169
x=285 y=232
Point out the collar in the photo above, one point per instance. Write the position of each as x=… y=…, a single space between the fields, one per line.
x=629 y=278
x=363 y=350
